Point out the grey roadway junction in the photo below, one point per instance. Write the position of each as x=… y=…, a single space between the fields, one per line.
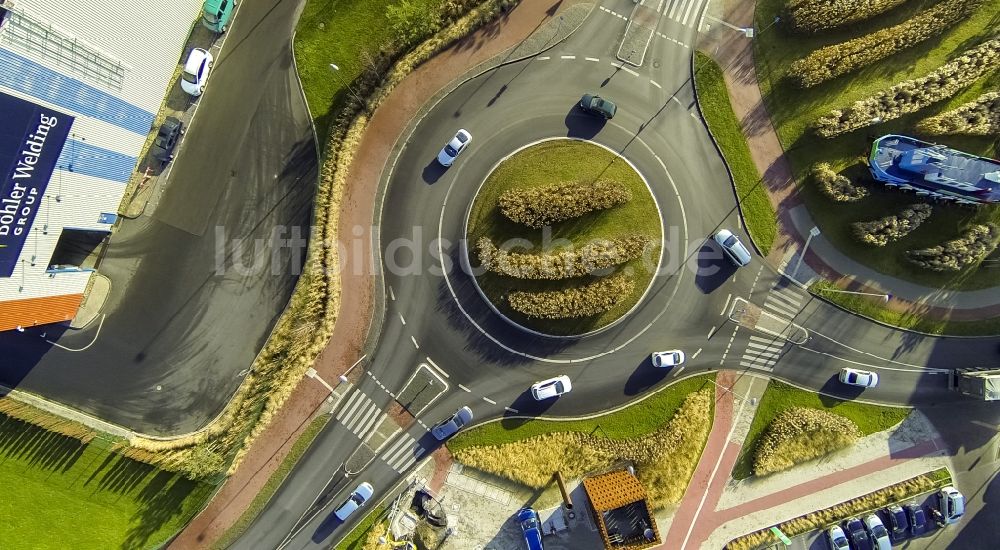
x=189 y=309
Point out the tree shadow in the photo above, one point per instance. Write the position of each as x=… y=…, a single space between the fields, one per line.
x=166 y=498
x=38 y=447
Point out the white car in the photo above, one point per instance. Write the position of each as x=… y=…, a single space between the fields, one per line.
x=450 y=426
x=454 y=148
x=877 y=532
x=835 y=536
x=733 y=247
x=553 y=387
x=195 y=73
x=357 y=499
x=665 y=359
x=952 y=504
x=858 y=377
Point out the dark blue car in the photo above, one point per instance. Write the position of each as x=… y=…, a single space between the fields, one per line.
x=531 y=527
x=855 y=531
x=918 y=519
x=899 y=526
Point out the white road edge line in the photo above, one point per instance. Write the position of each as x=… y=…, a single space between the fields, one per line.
x=463 y=388
x=401 y=319
x=439 y=369
x=711 y=332
x=415 y=344
x=594 y=59
x=724 y=308
x=655 y=83
x=490 y=401
x=543 y=58
x=392 y=295
x=567 y=57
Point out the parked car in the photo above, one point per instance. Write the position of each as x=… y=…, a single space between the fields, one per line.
x=899 y=526
x=215 y=14
x=733 y=247
x=166 y=139
x=666 y=359
x=531 y=528
x=454 y=148
x=597 y=105
x=357 y=499
x=450 y=426
x=952 y=504
x=835 y=536
x=856 y=533
x=918 y=519
x=553 y=387
x=858 y=377
x=879 y=536
x=195 y=73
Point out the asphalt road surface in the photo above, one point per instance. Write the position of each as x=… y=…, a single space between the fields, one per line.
x=190 y=307
x=488 y=364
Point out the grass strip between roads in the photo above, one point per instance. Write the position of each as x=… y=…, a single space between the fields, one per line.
x=864 y=504
x=355 y=540
x=758 y=214
x=780 y=396
x=298 y=449
x=874 y=307
x=61 y=493
x=642 y=418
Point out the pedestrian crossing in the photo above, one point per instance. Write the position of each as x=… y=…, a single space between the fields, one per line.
x=784 y=302
x=685 y=12
x=359 y=414
x=762 y=353
x=402 y=453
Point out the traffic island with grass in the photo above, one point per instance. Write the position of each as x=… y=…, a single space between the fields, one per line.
x=663 y=435
x=564 y=237
x=793 y=426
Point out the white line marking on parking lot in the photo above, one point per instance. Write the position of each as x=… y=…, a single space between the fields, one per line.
x=490 y=401
x=463 y=388
x=439 y=369
x=401 y=319
x=415 y=342
x=697 y=353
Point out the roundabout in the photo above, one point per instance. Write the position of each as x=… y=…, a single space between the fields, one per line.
x=572 y=171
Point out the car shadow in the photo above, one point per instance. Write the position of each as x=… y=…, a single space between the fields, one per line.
x=525 y=405
x=712 y=268
x=581 y=125
x=433 y=172
x=325 y=529
x=834 y=386
x=645 y=377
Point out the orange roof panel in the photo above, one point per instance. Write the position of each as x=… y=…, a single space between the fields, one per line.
x=38 y=311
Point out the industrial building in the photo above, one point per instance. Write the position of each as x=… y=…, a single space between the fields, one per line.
x=80 y=86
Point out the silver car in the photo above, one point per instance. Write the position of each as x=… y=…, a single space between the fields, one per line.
x=450 y=426
x=732 y=247
x=454 y=148
x=835 y=536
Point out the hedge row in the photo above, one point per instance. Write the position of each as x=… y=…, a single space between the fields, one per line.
x=980 y=117
x=800 y=434
x=594 y=256
x=809 y=16
x=974 y=245
x=839 y=59
x=584 y=301
x=836 y=186
x=885 y=230
x=551 y=204
x=912 y=95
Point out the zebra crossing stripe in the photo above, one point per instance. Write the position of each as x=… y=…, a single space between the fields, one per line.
x=369 y=422
x=784 y=299
x=401 y=444
x=779 y=308
x=348 y=407
x=360 y=408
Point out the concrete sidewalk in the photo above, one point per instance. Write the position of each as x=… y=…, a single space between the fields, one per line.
x=735 y=54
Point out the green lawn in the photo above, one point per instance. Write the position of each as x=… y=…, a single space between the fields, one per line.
x=277 y=478
x=642 y=418
x=875 y=308
x=59 y=493
x=356 y=538
x=754 y=203
x=793 y=109
x=556 y=162
x=780 y=396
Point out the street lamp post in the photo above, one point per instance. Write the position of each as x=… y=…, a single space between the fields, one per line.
x=814 y=232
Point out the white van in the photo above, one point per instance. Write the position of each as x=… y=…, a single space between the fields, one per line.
x=952 y=504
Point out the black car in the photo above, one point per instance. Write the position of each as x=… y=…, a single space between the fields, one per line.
x=899 y=526
x=166 y=139
x=856 y=533
x=597 y=105
x=918 y=519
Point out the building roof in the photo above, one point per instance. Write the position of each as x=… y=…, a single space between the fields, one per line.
x=613 y=490
x=38 y=311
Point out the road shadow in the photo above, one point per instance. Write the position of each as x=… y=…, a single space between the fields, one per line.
x=712 y=267
x=433 y=172
x=582 y=126
x=525 y=405
x=645 y=377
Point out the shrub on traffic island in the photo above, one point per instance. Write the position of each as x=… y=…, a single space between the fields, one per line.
x=572 y=303
x=552 y=204
x=594 y=256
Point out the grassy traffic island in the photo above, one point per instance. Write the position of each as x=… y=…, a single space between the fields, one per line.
x=663 y=436
x=564 y=237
